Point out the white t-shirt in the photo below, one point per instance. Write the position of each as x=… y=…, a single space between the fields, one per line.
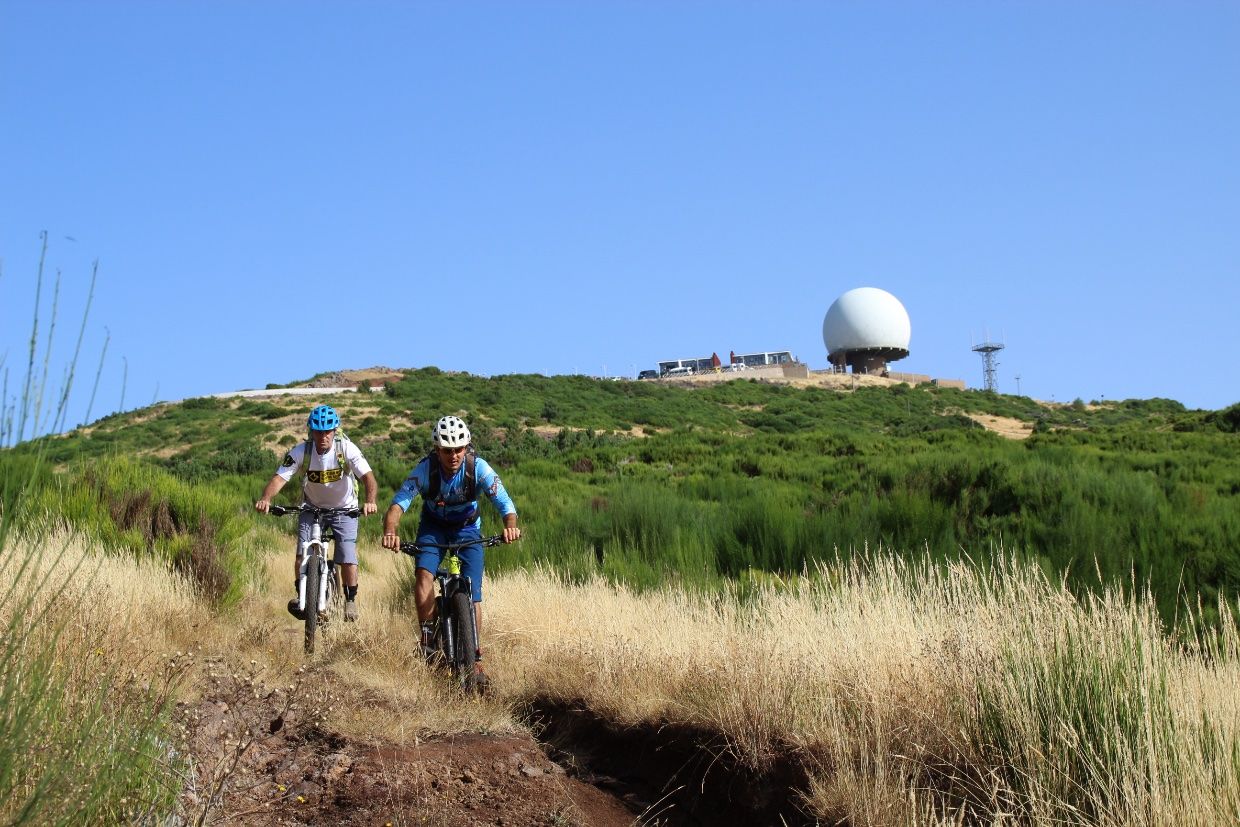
x=327 y=485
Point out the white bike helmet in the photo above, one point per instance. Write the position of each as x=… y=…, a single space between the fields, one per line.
x=450 y=432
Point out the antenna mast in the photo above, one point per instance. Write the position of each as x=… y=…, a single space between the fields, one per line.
x=989 y=363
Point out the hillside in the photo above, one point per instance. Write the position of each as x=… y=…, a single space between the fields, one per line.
x=633 y=478
x=932 y=575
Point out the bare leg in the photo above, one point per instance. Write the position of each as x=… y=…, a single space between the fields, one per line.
x=423 y=595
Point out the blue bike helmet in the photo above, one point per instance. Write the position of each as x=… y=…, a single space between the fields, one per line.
x=324 y=418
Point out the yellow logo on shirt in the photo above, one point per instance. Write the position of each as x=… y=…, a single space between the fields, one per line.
x=325 y=476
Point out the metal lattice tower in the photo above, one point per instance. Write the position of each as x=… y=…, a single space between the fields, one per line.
x=989 y=363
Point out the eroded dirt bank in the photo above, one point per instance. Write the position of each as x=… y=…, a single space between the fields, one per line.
x=671 y=774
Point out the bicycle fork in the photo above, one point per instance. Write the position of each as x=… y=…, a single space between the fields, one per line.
x=312 y=554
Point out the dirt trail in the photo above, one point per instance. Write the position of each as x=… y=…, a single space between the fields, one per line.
x=257 y=760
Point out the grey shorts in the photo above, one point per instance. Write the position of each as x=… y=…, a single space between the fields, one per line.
x=346 y=536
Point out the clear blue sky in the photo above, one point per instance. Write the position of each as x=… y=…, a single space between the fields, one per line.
x=275 y=189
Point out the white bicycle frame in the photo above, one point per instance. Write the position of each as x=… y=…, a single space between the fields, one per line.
x=325 y=580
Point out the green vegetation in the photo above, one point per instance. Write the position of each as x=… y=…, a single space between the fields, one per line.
x=131 y=507
x=644 y=481
x=82 y=741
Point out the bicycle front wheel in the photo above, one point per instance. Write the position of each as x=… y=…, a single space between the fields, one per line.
x=312 y=603
x=464 y=641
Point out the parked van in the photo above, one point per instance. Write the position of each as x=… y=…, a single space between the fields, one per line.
x=683 y=370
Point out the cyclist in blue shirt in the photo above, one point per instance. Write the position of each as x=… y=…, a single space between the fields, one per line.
x=449 y=479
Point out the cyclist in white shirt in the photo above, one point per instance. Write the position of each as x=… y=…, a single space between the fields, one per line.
x=330 y=462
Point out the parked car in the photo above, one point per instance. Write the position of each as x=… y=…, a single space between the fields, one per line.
x=735 y=366
x=683 y=370
x=648 y=374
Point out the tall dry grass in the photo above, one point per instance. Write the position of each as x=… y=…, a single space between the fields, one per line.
x=916 y=693
x=139 y=612
x=110 y=641
x=87 y=688
x=139 y=606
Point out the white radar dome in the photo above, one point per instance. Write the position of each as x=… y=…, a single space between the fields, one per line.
x=866 y=319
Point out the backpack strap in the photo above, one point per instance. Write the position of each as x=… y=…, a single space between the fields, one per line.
x=343 y=466
x=432 y=478
x=339 y=442
x=471 y=481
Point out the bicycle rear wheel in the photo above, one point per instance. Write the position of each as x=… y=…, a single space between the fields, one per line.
x=335 y=594
x=464 y=642
x=312 y=603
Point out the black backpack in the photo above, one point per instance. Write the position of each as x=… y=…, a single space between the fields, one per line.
x=431 y=494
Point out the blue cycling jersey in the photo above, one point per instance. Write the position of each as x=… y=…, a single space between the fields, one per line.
x=452 y=506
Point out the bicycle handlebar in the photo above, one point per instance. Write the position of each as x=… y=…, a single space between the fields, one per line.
x=281 y=510
x=486 y=542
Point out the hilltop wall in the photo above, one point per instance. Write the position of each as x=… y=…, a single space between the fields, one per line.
x=799 y=374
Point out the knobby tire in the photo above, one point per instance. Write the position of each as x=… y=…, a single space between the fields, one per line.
x=465 y=645
x=312 y=603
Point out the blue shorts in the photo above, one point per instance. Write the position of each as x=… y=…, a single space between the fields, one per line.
x=345 y=529
x=471 y=556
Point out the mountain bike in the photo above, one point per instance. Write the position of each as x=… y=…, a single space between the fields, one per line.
x=456 y=631
x=318 y=582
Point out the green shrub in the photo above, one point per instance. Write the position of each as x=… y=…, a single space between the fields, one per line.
x=134 y=508
x=756 y=475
